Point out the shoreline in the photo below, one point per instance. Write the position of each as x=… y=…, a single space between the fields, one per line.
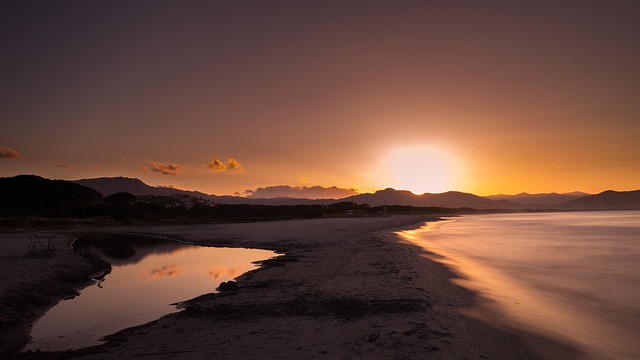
x=31 y=283
x=488 y=311
x=344 y=288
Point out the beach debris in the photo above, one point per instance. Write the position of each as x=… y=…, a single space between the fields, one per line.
x=228 y=286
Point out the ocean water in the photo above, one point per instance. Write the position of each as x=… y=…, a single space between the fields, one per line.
x=572 y=276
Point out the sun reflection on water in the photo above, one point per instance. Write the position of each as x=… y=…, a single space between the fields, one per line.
x=569 y=276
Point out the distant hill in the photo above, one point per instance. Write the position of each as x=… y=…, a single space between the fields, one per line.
x=607 y=200
x=27 y=195
x=539 y=200
x=111 y=185
x=451 y=199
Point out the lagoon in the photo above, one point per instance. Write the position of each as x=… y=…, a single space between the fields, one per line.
x=149 y=275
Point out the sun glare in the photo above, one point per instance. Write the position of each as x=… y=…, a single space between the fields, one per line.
x=420 y=169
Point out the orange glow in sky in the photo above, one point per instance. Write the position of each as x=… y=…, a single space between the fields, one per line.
x=224 y=97
x=419 y=169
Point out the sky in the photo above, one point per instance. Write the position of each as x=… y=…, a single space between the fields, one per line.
x=228 y=97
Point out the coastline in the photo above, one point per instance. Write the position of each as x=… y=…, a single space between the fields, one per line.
x=565 y=276
x=32 y=282
x=344 y=288
x=487 y=312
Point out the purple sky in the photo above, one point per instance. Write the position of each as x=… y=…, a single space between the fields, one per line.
x=222 y=97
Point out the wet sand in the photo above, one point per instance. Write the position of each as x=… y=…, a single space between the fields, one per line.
x=343 y=289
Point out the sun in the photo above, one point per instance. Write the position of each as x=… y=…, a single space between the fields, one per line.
x=420 y=169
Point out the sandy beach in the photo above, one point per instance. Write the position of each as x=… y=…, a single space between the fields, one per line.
x=342 y=289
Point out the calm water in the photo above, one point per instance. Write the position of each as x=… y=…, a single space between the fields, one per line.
x=149 y=274
x=575 y=276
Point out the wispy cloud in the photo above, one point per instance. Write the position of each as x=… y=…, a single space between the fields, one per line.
x=9 y=153
x=66 y=166
x=167 y=169
x=230 y=165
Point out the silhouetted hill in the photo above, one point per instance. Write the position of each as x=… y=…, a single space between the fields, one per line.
x=451 y=199
x=275 y=201
x=111 y=185
x=27 y=195
x=539 y=200
x=607 y=200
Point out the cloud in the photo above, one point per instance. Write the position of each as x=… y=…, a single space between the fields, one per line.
x=163 y=272
x=170 y=169
x=231 y=165
x=167 y=186
x=304 y=179
x=216 y=273
x=9 y=153
x=66 y=166
x=300 y=192
x=223 y=272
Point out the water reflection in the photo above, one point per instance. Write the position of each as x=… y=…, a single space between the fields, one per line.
x=124 y=249
x=221 y=273
x=570 y=275
x=161 y=273
x=148 y=275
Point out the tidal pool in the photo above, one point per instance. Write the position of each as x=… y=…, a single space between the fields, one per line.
x=149 y=275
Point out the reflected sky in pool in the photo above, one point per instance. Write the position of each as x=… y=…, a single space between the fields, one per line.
x=149 y=274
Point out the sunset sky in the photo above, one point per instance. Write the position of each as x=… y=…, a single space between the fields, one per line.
x=225 y=96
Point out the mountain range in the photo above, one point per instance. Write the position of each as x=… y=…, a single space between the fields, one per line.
x=111 y=185
x=452 y=199
x=551 y=199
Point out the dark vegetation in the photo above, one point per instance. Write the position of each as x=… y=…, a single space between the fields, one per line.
x=28 y=196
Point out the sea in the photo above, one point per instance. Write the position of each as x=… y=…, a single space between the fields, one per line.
x=571 y=276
